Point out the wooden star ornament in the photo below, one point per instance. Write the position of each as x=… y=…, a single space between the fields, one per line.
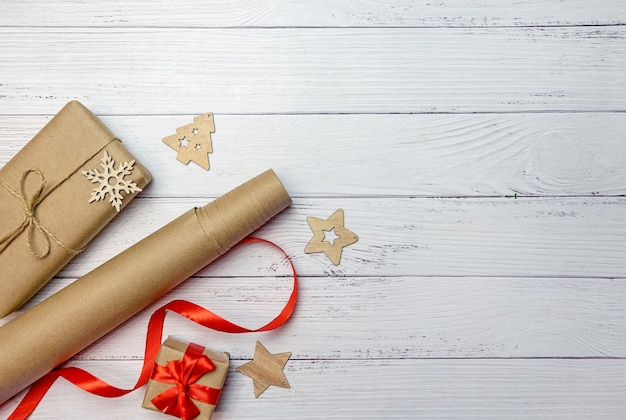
x=265 y=369
x=193 y=141
x=330 y=236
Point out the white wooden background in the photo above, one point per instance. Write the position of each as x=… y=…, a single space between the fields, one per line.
x=478 y=148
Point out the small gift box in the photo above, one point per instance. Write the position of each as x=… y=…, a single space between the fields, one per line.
x=187 y=380
x=56 y=194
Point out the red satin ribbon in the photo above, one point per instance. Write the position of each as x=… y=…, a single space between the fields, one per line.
x=184 y=374
x=193 y=312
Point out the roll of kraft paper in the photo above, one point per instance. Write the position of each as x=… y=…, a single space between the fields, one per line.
x=51 y=332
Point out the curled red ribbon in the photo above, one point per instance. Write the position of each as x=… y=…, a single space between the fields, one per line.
x=189 y=310
x=184 y=374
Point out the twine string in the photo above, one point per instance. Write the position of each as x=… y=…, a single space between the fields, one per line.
x=30 y=220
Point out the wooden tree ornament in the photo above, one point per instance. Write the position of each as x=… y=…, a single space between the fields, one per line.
x=266 y=369
x=193 y=141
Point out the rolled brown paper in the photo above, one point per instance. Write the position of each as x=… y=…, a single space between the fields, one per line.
x=51 y=332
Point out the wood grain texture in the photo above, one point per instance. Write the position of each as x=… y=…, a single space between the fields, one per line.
x=290 y=70
x=382 y=318
x=379 y=155
x=411 y=388
x=477 y=148
x=312 y=13
x=416 y=237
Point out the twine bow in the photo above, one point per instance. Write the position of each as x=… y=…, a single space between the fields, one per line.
x=30 y=220
x=184 y=374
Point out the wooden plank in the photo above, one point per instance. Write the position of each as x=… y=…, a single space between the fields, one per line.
x=379 y=155
x=318 y=13
x=400 y=389
x=393 y=318
x=390 y=70
x=579 y=237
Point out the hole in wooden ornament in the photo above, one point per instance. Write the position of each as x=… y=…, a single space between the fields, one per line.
x=197 y=147
x=112 y=180
x=184 y=142
x=330 y=236
x=195 y=131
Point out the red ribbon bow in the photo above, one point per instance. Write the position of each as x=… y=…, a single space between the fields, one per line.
x=184 y=374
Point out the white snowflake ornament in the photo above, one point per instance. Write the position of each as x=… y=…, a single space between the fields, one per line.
x=111 y=181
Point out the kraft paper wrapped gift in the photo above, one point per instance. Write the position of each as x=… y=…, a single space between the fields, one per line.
x=46 y=214
x=187 y=380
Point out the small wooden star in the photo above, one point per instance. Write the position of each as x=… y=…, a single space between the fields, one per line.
x=321 y=228
x=266 y=369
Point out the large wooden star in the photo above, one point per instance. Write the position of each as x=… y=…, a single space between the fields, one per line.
x=266 y=369
x=333 y=225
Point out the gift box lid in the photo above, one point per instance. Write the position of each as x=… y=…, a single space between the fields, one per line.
x=175 y=351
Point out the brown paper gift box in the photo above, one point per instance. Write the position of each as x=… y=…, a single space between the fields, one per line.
x=174 y=349
x=47 y=174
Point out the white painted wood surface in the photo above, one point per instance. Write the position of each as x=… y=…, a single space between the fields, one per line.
x=477 y=147
x=312 y=70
